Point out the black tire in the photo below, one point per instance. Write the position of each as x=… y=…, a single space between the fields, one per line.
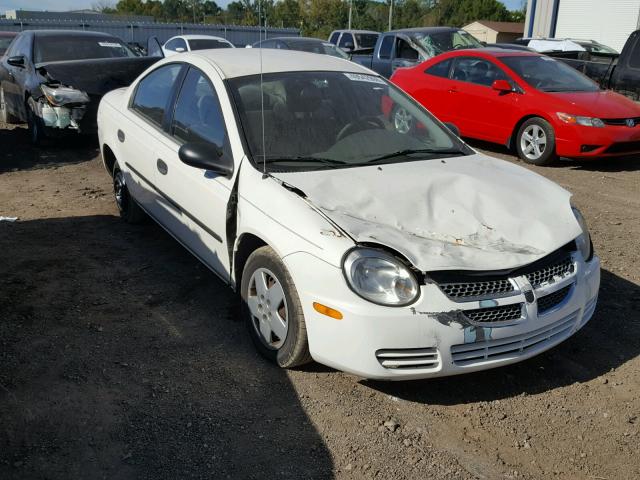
x=294 y=349
x=36 y=127
x=529 y=148
x=129 y=209
x=399 y=126
x=5 y=116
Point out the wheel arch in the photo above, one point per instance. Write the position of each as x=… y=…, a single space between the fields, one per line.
x=108 y=158
x=514 y=133
x=246 y=244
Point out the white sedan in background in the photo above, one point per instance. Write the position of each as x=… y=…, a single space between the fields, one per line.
x=189 y=43
x=387 y=255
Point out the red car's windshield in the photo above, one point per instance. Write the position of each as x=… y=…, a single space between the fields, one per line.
x=549 y=75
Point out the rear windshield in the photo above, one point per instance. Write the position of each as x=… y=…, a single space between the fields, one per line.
x=61 y=48
x=4 y=44
x=366 y=40
x=205 y=44
x=548 y=74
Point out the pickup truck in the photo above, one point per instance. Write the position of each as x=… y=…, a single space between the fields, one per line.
x=410 y=46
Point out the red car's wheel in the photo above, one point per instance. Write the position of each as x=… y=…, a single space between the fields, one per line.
x=536 y=142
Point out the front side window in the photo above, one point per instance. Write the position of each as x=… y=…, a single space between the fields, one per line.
x=440 y=69
x=386 y=46
x=197 y=116
x=405 y=51
x=4 y=44
x=153 y=93
x=477 y=70
x=366 y=40
x=320 y=120
x=58 y=48
x=347 y=38
x=20 y=47
x=549 y=75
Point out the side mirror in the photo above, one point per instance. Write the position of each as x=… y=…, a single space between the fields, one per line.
x=453 y=128
x=207 y=157
x=180 y=49
x=16 y=61
x=502 y=86
x=348 y=46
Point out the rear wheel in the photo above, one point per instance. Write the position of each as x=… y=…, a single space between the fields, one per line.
x=129 y=210
x=272 y=310
x=536 y=142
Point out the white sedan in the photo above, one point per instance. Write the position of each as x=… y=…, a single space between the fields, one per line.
x=189 y=43
x=388 y=255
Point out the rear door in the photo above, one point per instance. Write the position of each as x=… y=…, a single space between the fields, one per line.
x=140 y=129
x=478 y=110
x=196 y=212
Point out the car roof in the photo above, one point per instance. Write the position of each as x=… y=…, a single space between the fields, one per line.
x=199 y=37
x=233 y=63
x=356 y=31
x=425 y=30
x=66 y=33
x=489 y=52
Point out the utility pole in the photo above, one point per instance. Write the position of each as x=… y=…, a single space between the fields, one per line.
x=390 y=14
x=350 y=8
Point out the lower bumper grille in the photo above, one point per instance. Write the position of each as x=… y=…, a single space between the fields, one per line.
x=552 y=300
x=409 y=358
x=624 y=147
x=513 y=347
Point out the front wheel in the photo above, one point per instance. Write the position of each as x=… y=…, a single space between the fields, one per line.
x=272 y=310
x=536 y=142
x=402 y=120
x=36 y=127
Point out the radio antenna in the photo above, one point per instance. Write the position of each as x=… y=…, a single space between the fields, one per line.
x=264 y=151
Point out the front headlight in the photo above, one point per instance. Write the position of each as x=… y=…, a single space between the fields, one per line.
x=584 y=240
x=59 y=96
x=578 y=120
x=380 y=277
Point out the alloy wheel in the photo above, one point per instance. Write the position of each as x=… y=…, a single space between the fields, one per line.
x=268 y=307
x=533 y=142
x=402 y=120
x=119 y=191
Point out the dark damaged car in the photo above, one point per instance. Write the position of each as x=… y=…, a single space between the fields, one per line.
x=54 y=79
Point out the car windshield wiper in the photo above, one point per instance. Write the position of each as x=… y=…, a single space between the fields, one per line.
x=301 y=159
x=417 y=151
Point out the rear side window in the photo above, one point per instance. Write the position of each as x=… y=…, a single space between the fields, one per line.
x=440 y=69
x=334 y=37
x=205 y=44
x=154 y=93
x=198 y=116
x=386 y=46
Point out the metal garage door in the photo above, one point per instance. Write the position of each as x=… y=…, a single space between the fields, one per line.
x=606 y=21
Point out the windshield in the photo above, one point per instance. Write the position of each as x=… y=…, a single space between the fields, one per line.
x=440 y=42
x=205 y=44
x=4 y=44
x=324 y=48
x=78 y=47
x=366 y=40
x=549 y=75
x=320 y=120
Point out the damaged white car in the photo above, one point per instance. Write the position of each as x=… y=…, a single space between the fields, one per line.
x=388 y=255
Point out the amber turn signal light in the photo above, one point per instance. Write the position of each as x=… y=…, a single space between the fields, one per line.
x=329 y=312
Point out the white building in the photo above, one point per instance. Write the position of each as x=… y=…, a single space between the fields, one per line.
x=609 y=22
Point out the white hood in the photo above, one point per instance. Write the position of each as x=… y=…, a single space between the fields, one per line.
x=470 y=213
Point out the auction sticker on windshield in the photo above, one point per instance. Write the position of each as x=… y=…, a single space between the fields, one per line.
x=109 y=44
x=358 y=77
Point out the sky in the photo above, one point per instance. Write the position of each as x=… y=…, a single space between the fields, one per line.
x=62 y=5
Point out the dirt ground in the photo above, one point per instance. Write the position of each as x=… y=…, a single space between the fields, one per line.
x=122 y=357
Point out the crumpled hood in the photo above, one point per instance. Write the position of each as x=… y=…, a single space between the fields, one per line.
x=469 y=213
x=96 y=77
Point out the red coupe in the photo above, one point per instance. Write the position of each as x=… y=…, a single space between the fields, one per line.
x=540 y=106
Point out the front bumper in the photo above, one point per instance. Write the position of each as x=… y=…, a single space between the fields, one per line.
x=576 y=141
x=429 y=339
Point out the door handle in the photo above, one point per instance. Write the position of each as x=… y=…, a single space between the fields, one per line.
x=162 y=167
x=453 y=90
x=121 y=136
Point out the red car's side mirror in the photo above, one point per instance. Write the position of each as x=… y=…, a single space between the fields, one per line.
x=502 y=86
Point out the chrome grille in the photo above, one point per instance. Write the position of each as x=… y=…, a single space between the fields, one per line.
x=476 y=289
x=408 y=358
x=547 y=302
x=549 y=272
x=477 y=353
x=503 y=313
x=621 y=121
